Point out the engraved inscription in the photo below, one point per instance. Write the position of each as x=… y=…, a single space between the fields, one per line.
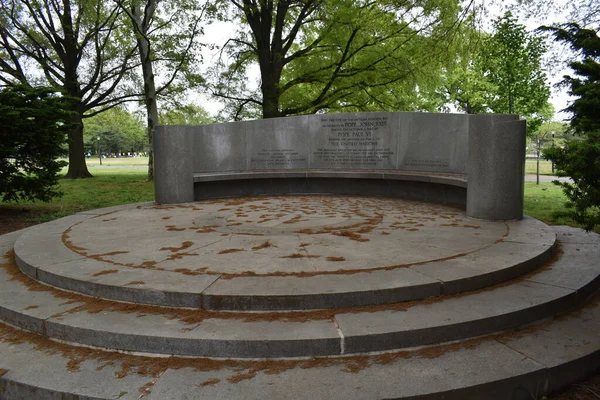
x=278 y=158
x=354 y=142
x=427 y=164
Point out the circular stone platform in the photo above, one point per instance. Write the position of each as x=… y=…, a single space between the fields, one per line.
x=286 y=252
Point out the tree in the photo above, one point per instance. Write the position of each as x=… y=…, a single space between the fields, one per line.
x=117 y=130
x=33 y=128
x=580 y=159
x=75 y=46
x=511 y=61
x=466 y=86
x=167 y=38
x=317 y=55
x=186 y=115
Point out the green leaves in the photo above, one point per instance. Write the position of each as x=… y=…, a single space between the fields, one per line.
x=512 y=62
x=580 y=158
x=33 y=127
x=337 y=55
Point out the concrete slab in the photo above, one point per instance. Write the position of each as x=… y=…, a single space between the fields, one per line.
x=566 y=234
x=488 y=368
x=211 y=337
x=33 y=373
x=453 y=318
x=316 y=292
x=168 y=255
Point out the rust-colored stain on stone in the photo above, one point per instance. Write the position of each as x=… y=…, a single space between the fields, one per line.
x=228 y=251
x=185 y=245
x=106 y=272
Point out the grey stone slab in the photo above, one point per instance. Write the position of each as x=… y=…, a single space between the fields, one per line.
x=567 y=234
x=530 y=230
x=173 y=164
x=496 y=167
x=219 y=147
x=345 y=174
x=433 y=142
x=454 y=318
x=36 y=249
x=7 y=240
x=489 y=266
x=285 y=146
x=43 y=375
x=491 y=371
x=158 y=287
x=569 y=348
x=211 y=337
x=324 y=291
x=354 y=141
x=578 y=268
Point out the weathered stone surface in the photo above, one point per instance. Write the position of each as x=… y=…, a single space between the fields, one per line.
x=221 y=148
x=278 y=143
x=433 y=142
x=454 y=318
x=173 y=165
x=496 y=167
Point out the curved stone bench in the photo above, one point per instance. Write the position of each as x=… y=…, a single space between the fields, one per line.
x=445 y=188
x=420 y=155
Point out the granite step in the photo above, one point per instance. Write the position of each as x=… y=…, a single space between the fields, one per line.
x=70 y=317
x=520 y=365
x=41 y=253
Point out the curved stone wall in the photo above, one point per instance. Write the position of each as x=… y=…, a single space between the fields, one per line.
x=380 y=153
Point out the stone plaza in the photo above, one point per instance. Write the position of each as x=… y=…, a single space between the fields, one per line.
x=334 y=256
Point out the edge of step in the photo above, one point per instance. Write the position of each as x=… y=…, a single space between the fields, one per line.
x=528 y=245
x=553 y=290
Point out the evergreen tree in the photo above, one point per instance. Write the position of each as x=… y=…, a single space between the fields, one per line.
x=579 y=159
x=33 y=129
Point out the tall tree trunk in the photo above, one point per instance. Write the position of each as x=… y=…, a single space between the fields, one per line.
x=141 y=26
x=77 y=165
x=270 y=94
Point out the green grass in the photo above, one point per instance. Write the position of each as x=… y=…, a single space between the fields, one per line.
x=545 y=167
x=108 y=187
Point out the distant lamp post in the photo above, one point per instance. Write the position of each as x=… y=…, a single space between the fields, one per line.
x=552 y=161
x=99 y=153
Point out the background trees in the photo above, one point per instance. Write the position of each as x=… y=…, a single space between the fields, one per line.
x=166 y=34
x=580 y=159
x=511 y=62
x=33 y=128
x=118 y=132
x=75 y=46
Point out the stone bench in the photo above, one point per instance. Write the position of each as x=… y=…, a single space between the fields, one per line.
x=445 y=188
x=477 y=161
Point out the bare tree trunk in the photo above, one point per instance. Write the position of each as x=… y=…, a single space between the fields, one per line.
x=77 y=165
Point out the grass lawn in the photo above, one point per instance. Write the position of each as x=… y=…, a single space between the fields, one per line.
x=108 y=187
x=545 y=167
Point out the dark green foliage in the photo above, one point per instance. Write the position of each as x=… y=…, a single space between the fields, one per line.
x=580 y=158
x=33 y=128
